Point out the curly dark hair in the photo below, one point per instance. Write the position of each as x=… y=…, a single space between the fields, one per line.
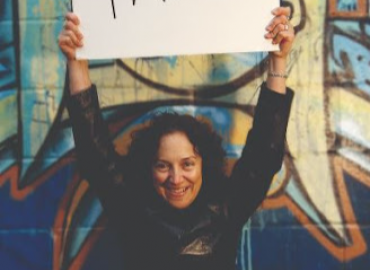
x=207 y=143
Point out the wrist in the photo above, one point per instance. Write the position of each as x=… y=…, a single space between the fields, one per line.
x=277 y=65
x=77 y=64
x=276 y=74
x=79 y=78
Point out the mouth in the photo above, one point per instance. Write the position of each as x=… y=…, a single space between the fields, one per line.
x=177 y=193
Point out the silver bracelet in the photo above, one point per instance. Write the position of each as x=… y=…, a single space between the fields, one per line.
x=277 y=75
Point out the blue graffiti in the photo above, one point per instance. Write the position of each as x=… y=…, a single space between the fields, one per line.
x=7 y=47
x=351 y=62
x=347 y=5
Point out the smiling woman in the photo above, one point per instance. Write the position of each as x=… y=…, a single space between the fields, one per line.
x=177 y=172
x=180 y=152
x=169 y=197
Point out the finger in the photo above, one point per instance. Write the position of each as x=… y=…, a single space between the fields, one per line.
x=73 y=37
x=282 y=19
x=277 y=29
x=283 y=35
x=72 y=17
x=69 y=25
x=65 y=42
x=66 y=46
x=285 y=11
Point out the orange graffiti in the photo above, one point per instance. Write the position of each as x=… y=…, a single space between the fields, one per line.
x=358 y=246
x=75 y=191
x=360 y=12
x=11 y=175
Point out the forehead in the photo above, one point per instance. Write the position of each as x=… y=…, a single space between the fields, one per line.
x=175 y=145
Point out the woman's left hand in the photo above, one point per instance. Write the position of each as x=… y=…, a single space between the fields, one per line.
x=281 y=32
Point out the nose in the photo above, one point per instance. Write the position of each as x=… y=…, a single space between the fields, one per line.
x=175 y=176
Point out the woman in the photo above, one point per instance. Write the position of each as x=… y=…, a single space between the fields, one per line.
x=169 y=197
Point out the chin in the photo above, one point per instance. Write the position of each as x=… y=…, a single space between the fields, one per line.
x=180 y=205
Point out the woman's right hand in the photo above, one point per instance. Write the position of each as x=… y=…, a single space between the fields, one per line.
x=70 y=39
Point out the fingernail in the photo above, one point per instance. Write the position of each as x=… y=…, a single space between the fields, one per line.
x=274 y=11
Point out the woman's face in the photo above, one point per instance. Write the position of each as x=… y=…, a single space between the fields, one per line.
x=177 y=170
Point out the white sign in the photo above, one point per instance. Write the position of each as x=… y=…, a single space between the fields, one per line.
x=148 y=28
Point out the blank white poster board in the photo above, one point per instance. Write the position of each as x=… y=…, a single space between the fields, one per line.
x=149 y=28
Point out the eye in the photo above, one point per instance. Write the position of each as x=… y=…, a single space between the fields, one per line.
x=189 y=164
x=161 y=166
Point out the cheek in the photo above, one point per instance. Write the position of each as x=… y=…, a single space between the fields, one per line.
x=159 y=178
x=195 y=176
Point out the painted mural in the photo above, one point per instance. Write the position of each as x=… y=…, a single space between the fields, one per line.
x=317 y=214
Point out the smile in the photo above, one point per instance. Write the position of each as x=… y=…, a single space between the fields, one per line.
x=177 y=192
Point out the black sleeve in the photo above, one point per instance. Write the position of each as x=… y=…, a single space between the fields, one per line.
x=262 y=155
x=97 y=159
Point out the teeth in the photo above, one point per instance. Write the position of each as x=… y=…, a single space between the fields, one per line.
x=178 y=190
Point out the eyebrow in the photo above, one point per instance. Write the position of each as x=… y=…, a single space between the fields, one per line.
x=185 y=158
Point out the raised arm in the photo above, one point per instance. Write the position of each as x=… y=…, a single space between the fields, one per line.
x=263 y=153
x=69 y=40
x=96 y=157
x=281 y=32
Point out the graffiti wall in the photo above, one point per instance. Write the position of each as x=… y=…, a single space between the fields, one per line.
x=317 y=214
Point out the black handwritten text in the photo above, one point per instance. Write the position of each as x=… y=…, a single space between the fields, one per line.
x=114 y=9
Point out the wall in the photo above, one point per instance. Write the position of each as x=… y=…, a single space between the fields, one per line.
x=317 y=213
